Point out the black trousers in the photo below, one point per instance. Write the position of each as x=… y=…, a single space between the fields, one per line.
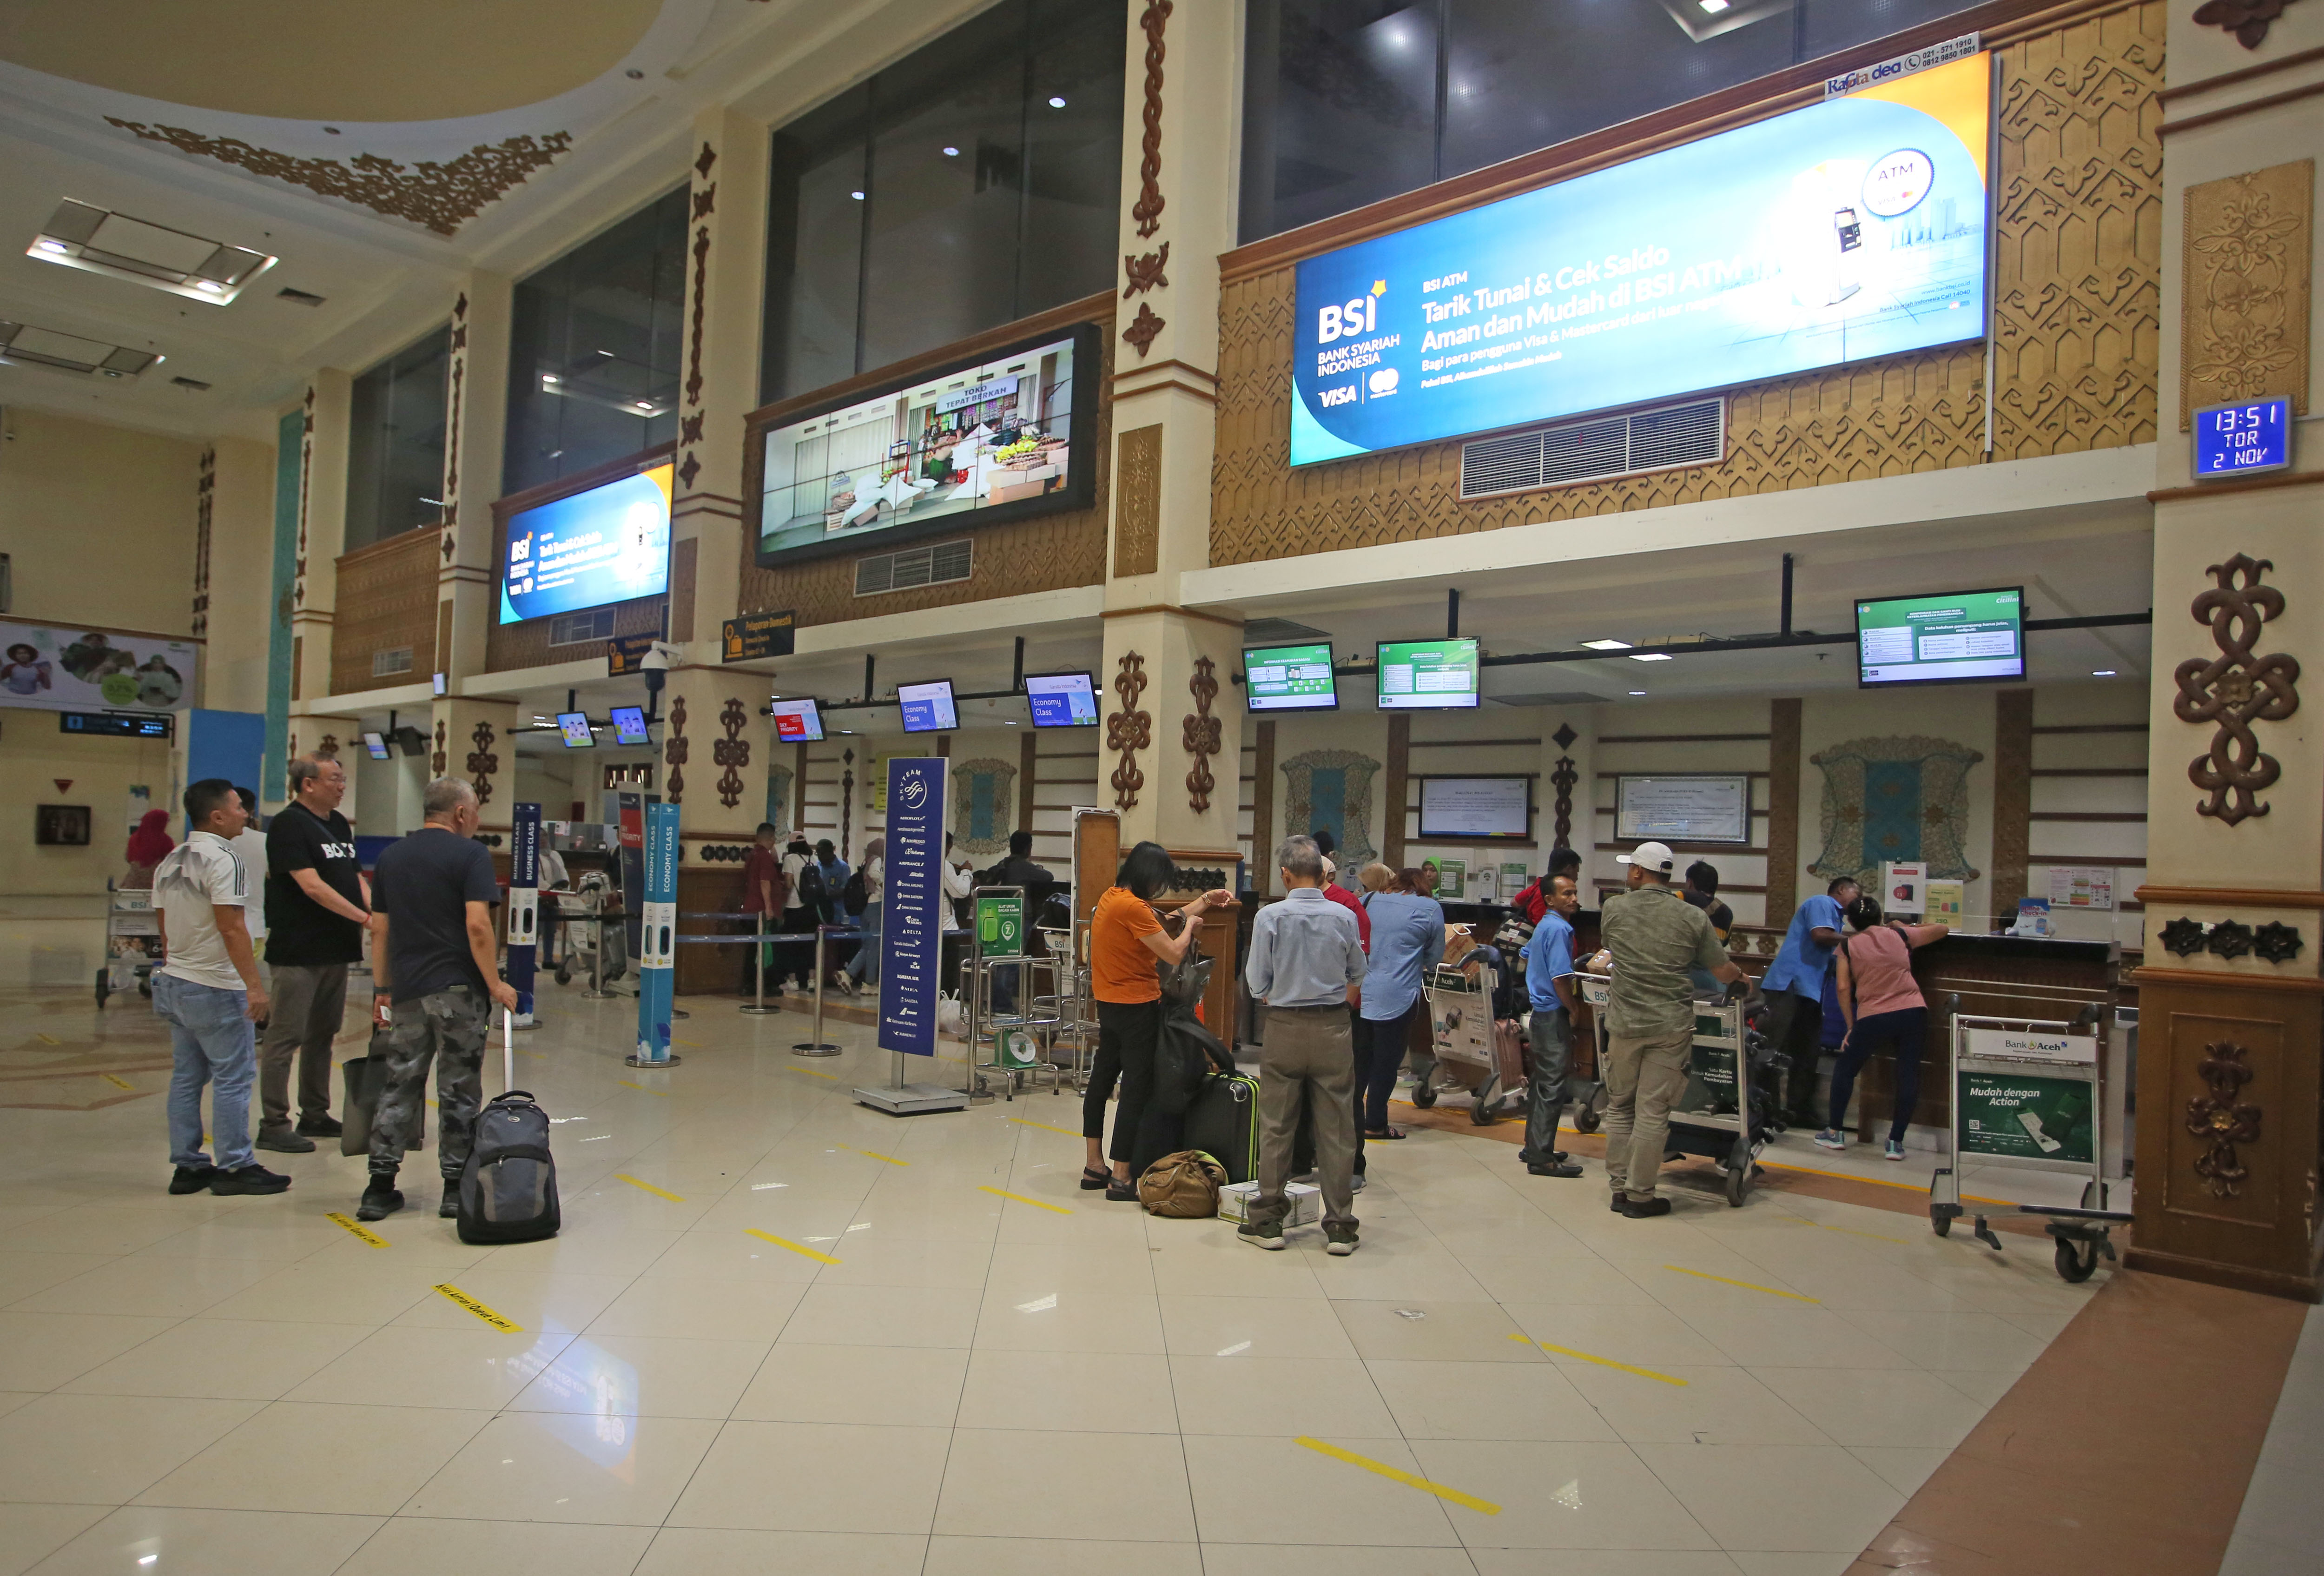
x=1795 y=1027
x=1127 y=1033
x=798 y=961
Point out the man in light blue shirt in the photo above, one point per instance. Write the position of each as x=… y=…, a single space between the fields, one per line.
x=1305 y=955
x=1407 y=941
x=1549 y=1032
x=1793 y=984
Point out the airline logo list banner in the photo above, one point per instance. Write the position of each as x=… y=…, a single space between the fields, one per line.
x=911 y=927
x=1855 y=227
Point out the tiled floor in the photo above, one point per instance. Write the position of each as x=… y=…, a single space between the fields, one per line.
x=978 y=1384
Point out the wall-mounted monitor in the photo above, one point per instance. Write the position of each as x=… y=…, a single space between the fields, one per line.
x=1851 y=228
x=927 y=707
x=1427 y=675
x=1684 y=807
x=1008 y=434
x=1464 y=808
x=630 y=726
x=1961 y=637
x=376 y=746
x=2243 y=440
x=796 y=722
x=574 y=728
x=1289 y=678
x=115 y=724
x=1062 y=700
x=608 y=544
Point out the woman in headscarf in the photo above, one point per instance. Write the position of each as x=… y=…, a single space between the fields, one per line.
x=149 y=845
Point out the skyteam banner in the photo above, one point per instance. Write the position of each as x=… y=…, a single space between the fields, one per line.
x=1853 y=228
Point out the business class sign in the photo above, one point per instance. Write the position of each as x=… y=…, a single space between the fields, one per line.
x=1853 y=228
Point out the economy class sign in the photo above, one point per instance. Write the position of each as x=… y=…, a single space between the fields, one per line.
x=1849 y=229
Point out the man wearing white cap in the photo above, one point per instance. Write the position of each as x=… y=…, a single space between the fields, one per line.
x=1654 y=938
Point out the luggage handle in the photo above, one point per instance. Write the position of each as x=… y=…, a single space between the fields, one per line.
x=508 y=1050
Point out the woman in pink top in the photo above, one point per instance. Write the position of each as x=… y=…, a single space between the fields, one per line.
x=1884 y=1007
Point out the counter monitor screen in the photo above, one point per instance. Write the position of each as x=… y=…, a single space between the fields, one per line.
x=927 y=707
x=1062 y=700
x=1427 y=675
x=575 y=727
x=796 y=722
x=1962 y=637
x=376 y=746
x=1289 y=678
x=630 y=726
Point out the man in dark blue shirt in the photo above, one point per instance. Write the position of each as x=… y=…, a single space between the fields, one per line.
x=1793 y=984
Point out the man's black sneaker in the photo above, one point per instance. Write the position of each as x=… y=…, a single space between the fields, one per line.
x=319 y=1127
x=287 y=1143
x=449 y=1210
x=1339 y=1239
x=379 y=1200
x=251 y=1178
x=1617 y=1205
x=1644 y=1209
x=192 y=1179
x=1558 y=1168
x=1268 y=1235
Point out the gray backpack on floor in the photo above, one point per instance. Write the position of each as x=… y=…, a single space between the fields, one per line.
x=508 y=1192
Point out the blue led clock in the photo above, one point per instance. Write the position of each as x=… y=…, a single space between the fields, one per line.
x=2243 y=439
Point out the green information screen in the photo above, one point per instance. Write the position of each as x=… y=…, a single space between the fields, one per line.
x=1964 y=635
x=1427 y=675
x=1289 y=678
x=2027 y=1116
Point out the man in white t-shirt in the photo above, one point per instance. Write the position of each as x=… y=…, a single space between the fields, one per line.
x=208 y=992
x=250 y=847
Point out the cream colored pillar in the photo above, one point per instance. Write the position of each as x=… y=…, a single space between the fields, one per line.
x=714 y=754
x=236 y=592
x=726 y=251
x=475 y=425
x=1172 y=742
x=472 y=739
x=322 y=532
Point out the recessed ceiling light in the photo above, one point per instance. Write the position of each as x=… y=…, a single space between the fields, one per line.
x=856 y=195
x=1713 y=7
x=952 y=153
x=2101 y=673
x=645 y=404
x=550 y=377
x=100 y=241
x=1650 y=656
x=1638 y=692
x=1605 y=645
x=23 y=344
x=57 y=246
x=1057 y=103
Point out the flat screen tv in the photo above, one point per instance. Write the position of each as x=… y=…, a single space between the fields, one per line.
x=1289 y=678
x=1498 y=808
x=927 y=707
x=376 y=746
x=587 y=549
x=1062 y=700
x=1957 y=637
x=630 y=726
x=1427 y=675
x=574 y=728
x=796 y=722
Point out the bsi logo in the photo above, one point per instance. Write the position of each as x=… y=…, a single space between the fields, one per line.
x=1348 y=319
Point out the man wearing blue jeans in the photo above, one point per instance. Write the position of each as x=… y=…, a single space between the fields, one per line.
x=208 y=992
x=1549 y=1034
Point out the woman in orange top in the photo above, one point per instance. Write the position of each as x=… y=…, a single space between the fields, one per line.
x=1126 y=942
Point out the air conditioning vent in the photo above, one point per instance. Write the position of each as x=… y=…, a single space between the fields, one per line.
x=192 y=385
x=582 y=629
x=940 y=565
x=1662 y=439
x=387 y=663
x=299 y=297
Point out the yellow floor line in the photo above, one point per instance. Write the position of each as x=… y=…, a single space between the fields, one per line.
x=812 y=1072
x=647 y=1187
x=641 y=1089
x=1021 y=1198
x=1484 y=1506
x=119 y=1082
x=358 y=1231
x=1644 y=1373
x=46 y=1039
x=1046 y=1126
x=1746 y=1284
x=875 y=1155
x=1919 y=1187
x=498 y=1321
x=787 y=1242
x=1845 y=1231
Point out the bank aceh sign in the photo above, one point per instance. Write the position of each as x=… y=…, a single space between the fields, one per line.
x=1855 y=227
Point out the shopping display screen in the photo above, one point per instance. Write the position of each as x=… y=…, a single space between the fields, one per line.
x=609 y=544
x=1852 y=228
x=1062 y=700
x=998 y=438
x=374 y=746
x=1289 y=678
x=1427 y=675
x=1963 y=635
x=72 y=668
x=575 y=727
x=630 y=726
x=927 y=707
x=796 y=722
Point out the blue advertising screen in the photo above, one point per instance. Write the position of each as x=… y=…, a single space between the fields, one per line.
x=630 y=726
x=927 y=707
x=2238 y=440
x=1852 y=228
x=1062 y=700
x=609 y=544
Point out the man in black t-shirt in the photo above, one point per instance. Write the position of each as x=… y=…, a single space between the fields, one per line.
x=434 y=956
x=316 y=905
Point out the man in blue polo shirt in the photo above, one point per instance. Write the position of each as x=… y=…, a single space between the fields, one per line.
x=1793 y=984
x=1549 y=1033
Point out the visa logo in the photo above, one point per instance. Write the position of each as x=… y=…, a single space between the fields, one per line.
x=1346 y=396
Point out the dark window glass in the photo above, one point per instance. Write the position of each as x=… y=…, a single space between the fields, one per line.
x=1347 y=102
x=971 y=184
x=595 y=349
x=395 y=443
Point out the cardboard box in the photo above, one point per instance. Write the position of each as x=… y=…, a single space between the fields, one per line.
x=1306 y=1203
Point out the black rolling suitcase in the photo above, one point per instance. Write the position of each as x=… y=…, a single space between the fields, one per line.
x=508 y=1192
x=1223 y=1121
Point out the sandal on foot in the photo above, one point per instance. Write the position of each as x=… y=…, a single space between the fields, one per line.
x=1093 y=1179
x=1384 y=1135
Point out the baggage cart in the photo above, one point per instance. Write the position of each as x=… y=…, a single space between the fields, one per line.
x=133 y=943
x=1722 y=1116
x=1474 y=1052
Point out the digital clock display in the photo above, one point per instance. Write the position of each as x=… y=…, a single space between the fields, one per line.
x=2240 y=441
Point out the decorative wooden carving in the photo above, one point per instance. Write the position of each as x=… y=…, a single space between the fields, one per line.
x=442 y=196
x=705 y=160
x=306 y=478
x=329 y=746
x=203 y=489
x=2235 y=689
x=2182 y=936
x=2248 y=20
x=705 y=201
x=1148 y=211
x=700 y=289
x=677 y=749
x=1562 y=779
x=1143 y=329
x=450 y=509
x=2230 y=938
x=732 y=751
x=1128 y=730
x=1201 y=734
x=2244 y=332
x=435 y=761
x=1145 y=272
x=1137 y=503
x=2277 y=942
x=847 y=803
x=2224 y=1118
x=483 y=762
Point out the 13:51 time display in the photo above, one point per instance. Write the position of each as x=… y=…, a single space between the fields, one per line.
x=2239 y=439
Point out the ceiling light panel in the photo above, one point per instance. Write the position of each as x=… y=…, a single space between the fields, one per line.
x=21 y=344
x=100 y=241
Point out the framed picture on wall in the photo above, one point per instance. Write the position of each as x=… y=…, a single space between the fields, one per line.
x=60 y=826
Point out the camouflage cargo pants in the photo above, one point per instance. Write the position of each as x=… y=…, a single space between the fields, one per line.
x=450 y=1026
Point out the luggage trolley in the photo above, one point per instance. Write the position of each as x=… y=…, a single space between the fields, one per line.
x=1021 y=1035
x=133 y=943
x=1721 y=1116
x=2025 y=1093
x=1473 y=1051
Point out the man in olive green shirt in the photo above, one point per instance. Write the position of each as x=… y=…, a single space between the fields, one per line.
x=1654 y=938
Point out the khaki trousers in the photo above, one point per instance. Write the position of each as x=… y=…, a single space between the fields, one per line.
x=1645 y=1076
x=310 y=1001
x=1309 y=1057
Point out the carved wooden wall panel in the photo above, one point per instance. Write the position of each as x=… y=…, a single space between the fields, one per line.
x=2077 y=331
x=2248 y=244
x=387 y=599
x=1137 y=521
